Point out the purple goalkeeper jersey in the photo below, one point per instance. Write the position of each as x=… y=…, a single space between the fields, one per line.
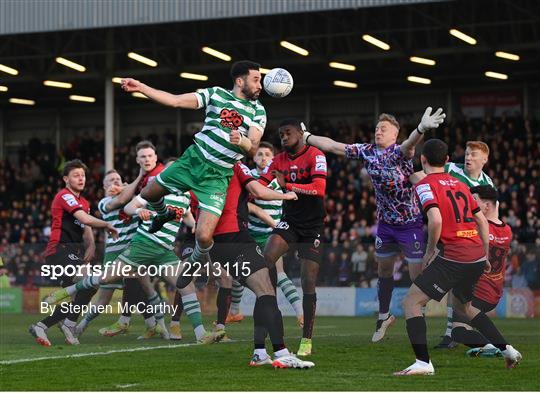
x=389 y=170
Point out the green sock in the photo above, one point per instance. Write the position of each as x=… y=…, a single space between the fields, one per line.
x=290 y=292
x=192 y=308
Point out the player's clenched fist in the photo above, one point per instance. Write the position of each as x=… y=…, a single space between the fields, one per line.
x=131 y=85
x=291 y=196
x=235 y=137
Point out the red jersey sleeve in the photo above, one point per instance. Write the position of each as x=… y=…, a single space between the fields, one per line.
x=427 y=196
x=267 y=174
x=70 y=203
x=243 y=173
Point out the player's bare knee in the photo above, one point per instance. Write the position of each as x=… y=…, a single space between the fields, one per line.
x=309 y=284
x=152 y=192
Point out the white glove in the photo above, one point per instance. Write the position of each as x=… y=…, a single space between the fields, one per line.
x=305 y=136
x=430 y=121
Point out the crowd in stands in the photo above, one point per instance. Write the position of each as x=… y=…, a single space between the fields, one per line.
x=29 y=183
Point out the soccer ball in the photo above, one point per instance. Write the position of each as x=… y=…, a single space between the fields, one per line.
x=278 y=83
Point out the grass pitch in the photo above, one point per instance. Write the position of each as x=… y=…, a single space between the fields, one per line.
x=345 y=359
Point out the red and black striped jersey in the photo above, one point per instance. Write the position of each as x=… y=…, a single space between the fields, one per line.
x=305 y=173
x=65 y=228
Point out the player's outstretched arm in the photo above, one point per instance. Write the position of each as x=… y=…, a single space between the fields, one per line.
x=261 y=214
x=136 y=207
x=125 y=196
x=324 y=143
x=87 y=219
x=429 y=122
x=434 y=228
x=184 y=101
x=266 y=194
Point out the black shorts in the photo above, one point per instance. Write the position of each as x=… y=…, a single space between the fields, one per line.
x=306 y=240
x=64 y=256
x=443 y=275
x=480 y=304
x=238 y=253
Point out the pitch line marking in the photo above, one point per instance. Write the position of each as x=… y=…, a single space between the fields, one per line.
x=138 y=349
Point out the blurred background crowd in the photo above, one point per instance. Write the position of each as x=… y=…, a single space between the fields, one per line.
x=30 y=181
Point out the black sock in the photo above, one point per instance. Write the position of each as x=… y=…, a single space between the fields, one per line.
x=309 y=304
x=179 y=307
x=129 y=284
x=470 y=338
x=82 y=298
x=385 y=287
x=489 y=330
x=273 y=277
x=223 y=301
x=416 y=329
x=271 y=318
x=53 y=319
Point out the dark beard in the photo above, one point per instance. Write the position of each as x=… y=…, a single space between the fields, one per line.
x=248 y=94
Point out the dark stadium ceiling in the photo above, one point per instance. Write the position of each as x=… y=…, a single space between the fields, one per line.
x=411 y=30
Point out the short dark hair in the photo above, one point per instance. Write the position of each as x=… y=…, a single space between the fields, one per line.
x=291 y=122
x=241 y=68
x=486 y=193
x=73 y=164
x=267 y=145
x=436 y=152
x=144 y=145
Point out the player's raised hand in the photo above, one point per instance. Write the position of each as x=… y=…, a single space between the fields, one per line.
x=431 y=121
x=114 y=190
x=235 y=137
x=130 y=85
x=291 y=196
x=112 y=231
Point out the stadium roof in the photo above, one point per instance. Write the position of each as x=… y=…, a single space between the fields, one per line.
x=420 y=30
x=30 y=16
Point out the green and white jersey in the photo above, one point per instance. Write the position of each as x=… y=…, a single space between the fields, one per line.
x=126 y=226
x=274 y=208
x=166 y=236
x=226 y=112
x=458 y=171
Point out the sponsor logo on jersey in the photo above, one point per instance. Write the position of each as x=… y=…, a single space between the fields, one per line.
x=231 y=119
x=320 y=159
x=467 y=234
x=70 y=200
x=320 y=167
x=425 y=197
x=491 y=237
x=450 y=182
x=423 y=187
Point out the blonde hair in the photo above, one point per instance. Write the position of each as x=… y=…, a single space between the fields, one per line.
x=478 y=145
x=389 y=118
